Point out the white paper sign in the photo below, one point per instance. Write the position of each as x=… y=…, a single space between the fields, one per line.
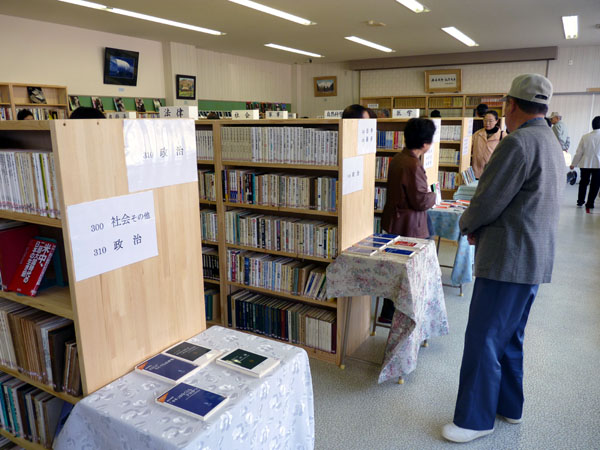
x=159 y=152
x=465 y=146
x=405 y=113
x=111 y=233
x=334 y=113
x=373 y=106
x=276 y=114
x=121 y=115
x=353 y=174
x=178 y=112
x=367 y=136
x=245 y=114
x=469 y=130
x=438 y=130
x=428 y=158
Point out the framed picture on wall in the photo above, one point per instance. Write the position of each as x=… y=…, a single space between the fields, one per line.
x=186 y=87
x=325 y=86
x=446 y=80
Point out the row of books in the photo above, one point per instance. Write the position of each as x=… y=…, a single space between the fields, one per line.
x=490 y=101
x=286 y=145
x=206 y=185
x=377 y=224
x=448 y=180
x=45 y=113
x=380 y=196
x=209 y=225
x=6 y=113
x=276 y=273
x=450 y=132
x=387 y=243
x=204 y=144
x=449 y=156
x=28 y=183
x=40 y=345
x=28 y=412
x=468 y=175
x=382 y=165
x=282 y=319
x=273 y=189
x=445 y=102
x=390 y=140
x=212 y=303
x=210 y=263
x=409 y=103
x=285 y=234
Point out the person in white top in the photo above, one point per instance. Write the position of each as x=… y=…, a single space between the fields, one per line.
x=587 y=158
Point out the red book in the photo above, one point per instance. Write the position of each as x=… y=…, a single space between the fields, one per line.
x=12 y=245
x=32 y=267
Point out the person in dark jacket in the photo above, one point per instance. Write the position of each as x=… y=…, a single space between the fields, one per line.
x=408 y=196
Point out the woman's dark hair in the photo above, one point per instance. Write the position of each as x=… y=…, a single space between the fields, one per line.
x=418 y=132
x=435 y=113
x=85 y=112
x=372 y=114
x=21 y=115
x=596 y=123
x=354 y=112
x=492 y=112
x=481 y=109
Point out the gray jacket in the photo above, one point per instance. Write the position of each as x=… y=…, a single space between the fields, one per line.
x=514 y=213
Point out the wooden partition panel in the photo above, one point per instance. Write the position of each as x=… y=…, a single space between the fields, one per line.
x=128 y=314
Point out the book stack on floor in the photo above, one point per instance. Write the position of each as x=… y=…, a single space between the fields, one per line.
x=387 y=243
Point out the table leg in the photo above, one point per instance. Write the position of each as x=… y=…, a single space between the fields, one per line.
x=346 y=326
x=461 y=291
x=375 y=317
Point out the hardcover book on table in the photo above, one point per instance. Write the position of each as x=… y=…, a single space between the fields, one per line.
x=192 y=400
x=399 y=251
x=167 y=368
x=201 y=356
x=361 y=250
x=248 y=362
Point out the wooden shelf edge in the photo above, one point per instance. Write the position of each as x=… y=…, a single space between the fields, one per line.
x=280 y=253
x=449 y=142
x=279 y=165
x=311 y=301
x=208 y=202
x=205 y=161
x=26 y=444
x=54 y=300
x=30 y=218
x=211 y=281
x=448 y=165
x=313 y=212
x=62 y=395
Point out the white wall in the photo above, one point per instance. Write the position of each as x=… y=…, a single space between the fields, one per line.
x=44 y=53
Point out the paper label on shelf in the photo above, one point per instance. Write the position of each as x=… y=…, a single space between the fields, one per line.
x=465 y=146
x=333 y=113
x=438 y=130
x=469 y=131
x=405 y=113
x=111 y=233
x=367 y=136
x=276 y=114
x=373 y=105
x=178 y=112
x=428 y=158
x=159 y=152
x=245 y=114
x=353 y=173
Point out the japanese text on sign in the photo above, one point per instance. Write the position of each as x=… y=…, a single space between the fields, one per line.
x=111 y=233
x=353 y=174
x=367 y=136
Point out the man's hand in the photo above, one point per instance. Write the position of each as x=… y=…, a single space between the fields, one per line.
x=471 y=238
x=571 y=167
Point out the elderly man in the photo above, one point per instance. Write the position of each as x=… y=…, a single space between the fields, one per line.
x=587 y=158
x=512 y=220
x=562 y=134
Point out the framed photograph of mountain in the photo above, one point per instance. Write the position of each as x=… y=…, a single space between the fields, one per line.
x=120 y=66
x=325 y=86
x=186 y=87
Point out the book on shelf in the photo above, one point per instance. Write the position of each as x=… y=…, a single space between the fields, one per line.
x=97 y=103
x=212 y=300
x=36 y=95
x=119 y=105
x=192 y=400
x=13 y=243
x=6 y=113
x=209 y=225
x=156 y=103
x=32 y=267
x=74 y=102
x=468 y=175
x=167 y=368
x=190 y=352
x=248 y=362
x=210 y=262
x=139 y=105
x=204 y=144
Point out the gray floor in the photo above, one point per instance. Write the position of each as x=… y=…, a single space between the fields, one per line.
x=562 y=367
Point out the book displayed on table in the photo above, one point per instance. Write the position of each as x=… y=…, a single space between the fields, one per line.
x=196 y=354
x=167 y=368
x=192 y=400
x=387 y=243
x=248 y=362
x=399 y=251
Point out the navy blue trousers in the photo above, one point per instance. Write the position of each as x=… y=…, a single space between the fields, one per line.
x=491 y=375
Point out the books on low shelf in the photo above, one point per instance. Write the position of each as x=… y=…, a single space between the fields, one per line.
x=206 y=183
x=380 y=197
x=204 y=144
x=212 y=301
x=32 y=267
x=382 y=165
x=209 y=225
x=192 y=401
x=45 y=113
x=210 y=262
x=6 y=113
x=248 y=362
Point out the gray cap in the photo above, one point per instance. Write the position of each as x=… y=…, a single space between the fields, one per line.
x=531 y=87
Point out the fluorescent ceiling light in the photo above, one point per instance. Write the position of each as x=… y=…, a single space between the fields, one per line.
x=369 y=44
x=273 y=12
x=414 y=6
x=293 y=50
x=570 y=27
x=462 y=37
x=136 y=15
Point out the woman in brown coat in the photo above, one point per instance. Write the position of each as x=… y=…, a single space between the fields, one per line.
x=485 y=142
x=408 y=195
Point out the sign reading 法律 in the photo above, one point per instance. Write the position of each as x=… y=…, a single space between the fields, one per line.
x=111 y=233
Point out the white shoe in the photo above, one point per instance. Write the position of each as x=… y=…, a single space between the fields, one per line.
x=509 y=420
x=457 y=434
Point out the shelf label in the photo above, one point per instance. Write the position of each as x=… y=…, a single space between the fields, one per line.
x=159 y=152
x=405 y=113
x=178 y=112
x=245 y=114
x=428 y=158
x=465 y=146
x=373 y=105
x=111 y=233
x=353 y=173
x=276 y=114
x=367 y=136
x=334 y=113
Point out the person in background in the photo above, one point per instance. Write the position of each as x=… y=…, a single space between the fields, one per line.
x=562 y=134
x=356 y=112
x=481 y=109
x=485 y=141
x=587 y=158
x=372 y=114
x=435 y=113
x=85 y=112
x=512 y=221
x=408 y=195
x=25 y=114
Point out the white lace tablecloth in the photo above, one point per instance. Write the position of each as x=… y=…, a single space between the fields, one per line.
x=415 y=286
x=273 y=412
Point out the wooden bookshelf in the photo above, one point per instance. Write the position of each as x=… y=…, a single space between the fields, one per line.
x=26 y=444
x=55 y=300
x=353 y=217
x=21 y=376
x=463 y=146
x=30 y=218
x=15 y=95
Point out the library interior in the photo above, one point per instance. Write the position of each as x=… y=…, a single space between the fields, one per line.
x=299 y=224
